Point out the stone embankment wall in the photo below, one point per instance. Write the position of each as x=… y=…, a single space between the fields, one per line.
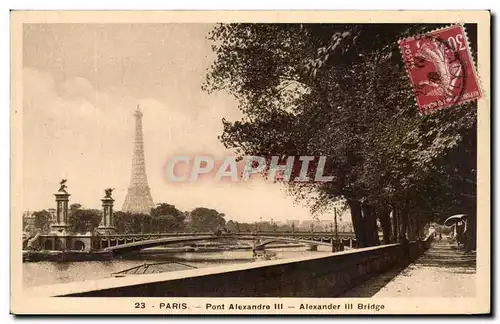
x=326 y=276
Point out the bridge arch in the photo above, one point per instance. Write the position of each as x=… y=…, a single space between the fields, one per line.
x=144 y=244
x=48 y=245
x=79 y=245
x=291 y=240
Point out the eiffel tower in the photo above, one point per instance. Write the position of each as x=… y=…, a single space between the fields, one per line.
x=138 y=199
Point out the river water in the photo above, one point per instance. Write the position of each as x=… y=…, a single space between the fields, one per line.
x=47 y=273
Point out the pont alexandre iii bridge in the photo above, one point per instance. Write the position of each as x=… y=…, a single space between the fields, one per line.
x=106 y=240
x=118 y=244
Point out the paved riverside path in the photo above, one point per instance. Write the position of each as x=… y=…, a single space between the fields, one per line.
x=442 y=271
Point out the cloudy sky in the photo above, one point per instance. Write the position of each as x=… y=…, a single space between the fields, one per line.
x=82 y=83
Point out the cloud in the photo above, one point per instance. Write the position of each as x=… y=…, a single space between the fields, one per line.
x=79 y=88
x=73 y=130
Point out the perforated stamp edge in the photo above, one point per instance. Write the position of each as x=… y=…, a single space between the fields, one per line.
x=421 y=111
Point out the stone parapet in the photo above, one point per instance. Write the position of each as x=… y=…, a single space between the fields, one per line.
x=324 y=276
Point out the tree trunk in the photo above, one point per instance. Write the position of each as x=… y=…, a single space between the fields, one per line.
x=402 y=233
x=471 y=234
x=418 y=227
x=370 y=220
x=357 y=221
x=395 y=224
x=411 y=228
x=403 y=223
x=385 y=223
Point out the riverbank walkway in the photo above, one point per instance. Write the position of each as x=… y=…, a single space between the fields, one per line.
x=442 y=271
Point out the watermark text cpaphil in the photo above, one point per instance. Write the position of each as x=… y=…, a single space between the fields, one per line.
x=184 y=168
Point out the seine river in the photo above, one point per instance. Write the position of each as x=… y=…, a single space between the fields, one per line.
x=46 y=273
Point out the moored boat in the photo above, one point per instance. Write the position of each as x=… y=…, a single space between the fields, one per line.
x=150 y=268
x=264 y=255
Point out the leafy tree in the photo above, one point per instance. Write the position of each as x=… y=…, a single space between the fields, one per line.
x=83 y=220
x=74 y=207
x=232 y=226
x=42 y=220
x=206 y=220
x=342 y=91
x=131 y=223
x=168 y=218
x=163 y=218
x=123 y=222
x=31 y=230
x=243 y=227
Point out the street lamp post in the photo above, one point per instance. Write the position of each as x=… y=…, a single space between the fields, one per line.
x=273 y=224
x=333 y=238
x=338 y=246
x=336 y=227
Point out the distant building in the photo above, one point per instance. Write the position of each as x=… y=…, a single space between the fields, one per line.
x=326 y=224
x=346 y=226
x=306 y=225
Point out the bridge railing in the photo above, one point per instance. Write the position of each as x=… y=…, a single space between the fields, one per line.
x=100 y=242
x=346 y=234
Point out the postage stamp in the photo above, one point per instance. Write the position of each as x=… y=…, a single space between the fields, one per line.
x=249 y=163
x=441 y=68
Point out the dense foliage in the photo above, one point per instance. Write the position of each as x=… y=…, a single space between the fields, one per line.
x=83 y=220
x=341 y=91
x=42 y=220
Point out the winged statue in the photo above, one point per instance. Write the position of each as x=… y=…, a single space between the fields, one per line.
x=63 y=185
x=108 y=192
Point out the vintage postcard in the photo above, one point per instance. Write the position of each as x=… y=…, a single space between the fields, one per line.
x=177 y=162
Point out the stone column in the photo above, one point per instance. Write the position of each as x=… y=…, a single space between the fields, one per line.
x=61 y=220
x=107 y=224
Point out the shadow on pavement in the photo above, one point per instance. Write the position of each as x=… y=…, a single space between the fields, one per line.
x=442 y=255
x=373 y=285
x=446 y=255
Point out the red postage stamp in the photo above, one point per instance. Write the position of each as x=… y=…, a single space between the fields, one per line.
x=441 y=68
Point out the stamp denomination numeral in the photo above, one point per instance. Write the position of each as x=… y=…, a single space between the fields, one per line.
x=457 y=42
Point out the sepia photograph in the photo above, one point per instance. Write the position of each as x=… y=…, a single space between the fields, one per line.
x=250 y=163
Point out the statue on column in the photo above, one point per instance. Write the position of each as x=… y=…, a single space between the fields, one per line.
x=108 y=192
x=106 y=227
x=63 y=186
x=61 y=226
